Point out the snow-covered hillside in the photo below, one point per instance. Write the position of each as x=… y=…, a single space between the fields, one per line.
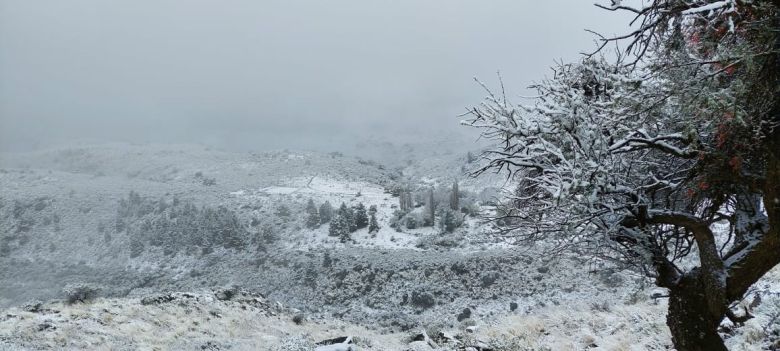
x=138 y=221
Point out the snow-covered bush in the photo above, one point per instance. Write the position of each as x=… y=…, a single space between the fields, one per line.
x=80 y=292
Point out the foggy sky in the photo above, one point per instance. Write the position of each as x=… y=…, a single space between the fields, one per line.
x=270 y=74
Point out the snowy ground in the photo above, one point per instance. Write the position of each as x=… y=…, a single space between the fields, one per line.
x=195 y=321
x=201 y=321
x=321 y=189
x=566 y=307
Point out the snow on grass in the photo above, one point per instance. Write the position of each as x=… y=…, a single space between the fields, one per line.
x=195 y=321
x=579 y=327
x=190 y=323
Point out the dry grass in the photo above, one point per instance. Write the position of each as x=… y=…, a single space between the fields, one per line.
x=109 y=324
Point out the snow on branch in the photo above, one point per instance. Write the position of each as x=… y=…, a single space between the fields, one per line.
x=709 y=7
x=591 y=161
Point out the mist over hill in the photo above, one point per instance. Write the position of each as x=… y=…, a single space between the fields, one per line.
x=439 y=175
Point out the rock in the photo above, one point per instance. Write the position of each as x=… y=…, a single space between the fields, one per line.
x=333 y=341
x=424 y=338
x=33 y=306
x=512 y=306
x=336 y=344
x=419 y=346
x=471 y=329
x=210 y=346
x=418 y=337
x=447 y=338
x=157 y=299
x=46 y=325
x=482 y=346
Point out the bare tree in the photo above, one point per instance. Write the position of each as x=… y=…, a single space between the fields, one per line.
x=638 y=160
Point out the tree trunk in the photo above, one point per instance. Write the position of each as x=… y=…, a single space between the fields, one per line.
x=693 y=325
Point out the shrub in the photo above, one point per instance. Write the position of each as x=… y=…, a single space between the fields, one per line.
x=411 y=221
x=298 y=318
x=80 y=292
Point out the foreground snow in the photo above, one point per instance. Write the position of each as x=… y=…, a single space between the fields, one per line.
x=211 y=320
x=200 y=321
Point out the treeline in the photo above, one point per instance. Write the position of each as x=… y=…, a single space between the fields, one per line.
x=344 y=221
x=177 y=226
x=442 y=207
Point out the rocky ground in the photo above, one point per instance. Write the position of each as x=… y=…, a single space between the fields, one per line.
x=238 y=320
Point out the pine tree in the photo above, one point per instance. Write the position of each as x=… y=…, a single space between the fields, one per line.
x=326 y=211
x=405 y=200
x=373 y=225
x=454 y=198
x=448 y=221
x=349 y=216
x=361 y=218
x=312 y=215
x=431 y=207
x=345 y=236
x=338 y=226
x=402 y=201
x=351 y=220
